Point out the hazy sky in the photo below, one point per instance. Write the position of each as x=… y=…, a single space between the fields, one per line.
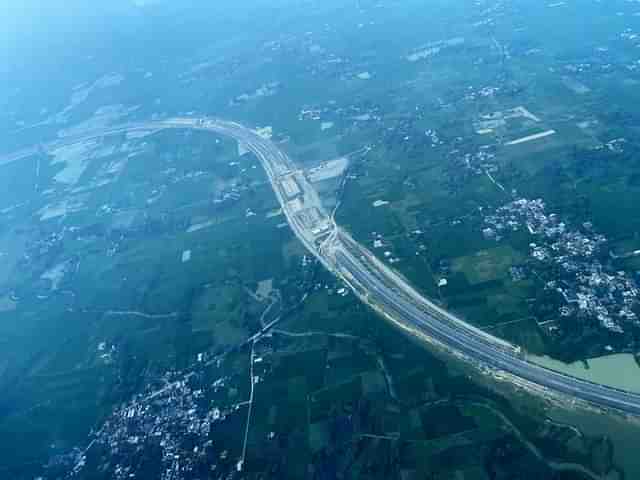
x=35 y=30
x=38 y=35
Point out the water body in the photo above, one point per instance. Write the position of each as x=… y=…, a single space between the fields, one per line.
x=619 y=370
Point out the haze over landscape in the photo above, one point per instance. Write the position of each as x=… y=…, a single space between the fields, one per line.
x=319 y=239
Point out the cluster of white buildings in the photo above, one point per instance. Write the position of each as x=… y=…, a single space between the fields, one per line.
x=164 y=419
x=588 y=286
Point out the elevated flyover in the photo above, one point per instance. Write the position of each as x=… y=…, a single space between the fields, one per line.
x=375 y=283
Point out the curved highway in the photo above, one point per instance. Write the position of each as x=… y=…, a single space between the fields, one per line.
x=372 y=281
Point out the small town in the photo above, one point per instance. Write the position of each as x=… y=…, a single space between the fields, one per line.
x=589 y=287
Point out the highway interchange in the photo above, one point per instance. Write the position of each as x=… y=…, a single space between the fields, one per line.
x=371 y=280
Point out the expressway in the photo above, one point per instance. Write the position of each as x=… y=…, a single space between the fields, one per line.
x=371 y=280
x=402 y=310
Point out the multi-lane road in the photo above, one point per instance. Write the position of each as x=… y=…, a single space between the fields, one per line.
x=417 y=318
x=374 y=282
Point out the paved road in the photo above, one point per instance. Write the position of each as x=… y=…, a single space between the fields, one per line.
x=417 y=320
x=374 y=282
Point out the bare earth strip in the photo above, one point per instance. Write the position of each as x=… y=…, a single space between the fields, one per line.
x=531 y=137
